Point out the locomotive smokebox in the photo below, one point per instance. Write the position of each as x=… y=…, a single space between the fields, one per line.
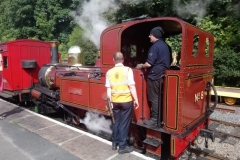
x=54 y=52
x=74 y=56
x=43 y=75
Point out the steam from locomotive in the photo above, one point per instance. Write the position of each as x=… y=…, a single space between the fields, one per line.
x=93 y=22
x=97 y=123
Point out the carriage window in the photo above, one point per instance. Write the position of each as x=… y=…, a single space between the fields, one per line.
x=5 y=62
x=195 y=45
x=133 y=51
x=207 y=47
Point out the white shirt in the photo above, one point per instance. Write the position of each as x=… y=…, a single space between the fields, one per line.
x=130 y=77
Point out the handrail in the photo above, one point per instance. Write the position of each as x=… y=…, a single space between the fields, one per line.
x=216 y=97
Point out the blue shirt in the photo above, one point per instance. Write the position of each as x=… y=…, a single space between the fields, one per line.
x=159 y=59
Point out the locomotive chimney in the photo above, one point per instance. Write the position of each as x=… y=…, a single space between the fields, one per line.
x=54 y=52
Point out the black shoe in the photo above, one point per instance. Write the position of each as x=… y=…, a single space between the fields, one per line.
x=152 y=122
x=127 y=149
x=114 y=146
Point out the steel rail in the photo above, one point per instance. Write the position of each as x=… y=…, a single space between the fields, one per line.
x=207 y=155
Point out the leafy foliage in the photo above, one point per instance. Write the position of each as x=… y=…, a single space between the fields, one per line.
x=224 y=8
x=153 y=8
x=15 y=20
x=50 y=20
x=227 y=68
x=43 y=19
x=226 y=31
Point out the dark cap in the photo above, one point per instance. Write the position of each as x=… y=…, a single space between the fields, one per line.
x=157 y=32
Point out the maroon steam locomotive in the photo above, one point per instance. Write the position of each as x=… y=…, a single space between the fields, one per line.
x=32 y=71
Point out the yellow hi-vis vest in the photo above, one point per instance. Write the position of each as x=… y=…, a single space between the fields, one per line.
x=118 y=77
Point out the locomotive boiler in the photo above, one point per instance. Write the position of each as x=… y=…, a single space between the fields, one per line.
x=185 y=93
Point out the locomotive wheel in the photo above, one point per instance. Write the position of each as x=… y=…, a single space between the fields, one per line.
x=229 y=100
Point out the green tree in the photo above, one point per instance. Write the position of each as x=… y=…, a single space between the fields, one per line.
x=52 y=19
x=153 y=8
x=227 y=68
x=17 y=19
x=43 y=19
x=224 y=8
x=226 y=31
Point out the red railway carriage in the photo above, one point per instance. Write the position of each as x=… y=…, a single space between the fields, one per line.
x=22 y=60
x=184 y=100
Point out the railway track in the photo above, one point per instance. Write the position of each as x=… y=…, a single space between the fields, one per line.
x=234 y=133
x=225 y=109
x=215 y=124
x=227 y=140
x=206 y=155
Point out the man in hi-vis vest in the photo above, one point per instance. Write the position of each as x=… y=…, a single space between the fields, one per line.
x=122 y=93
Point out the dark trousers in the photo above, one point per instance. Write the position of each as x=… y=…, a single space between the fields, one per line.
x=122 y=114
x=153 y=87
